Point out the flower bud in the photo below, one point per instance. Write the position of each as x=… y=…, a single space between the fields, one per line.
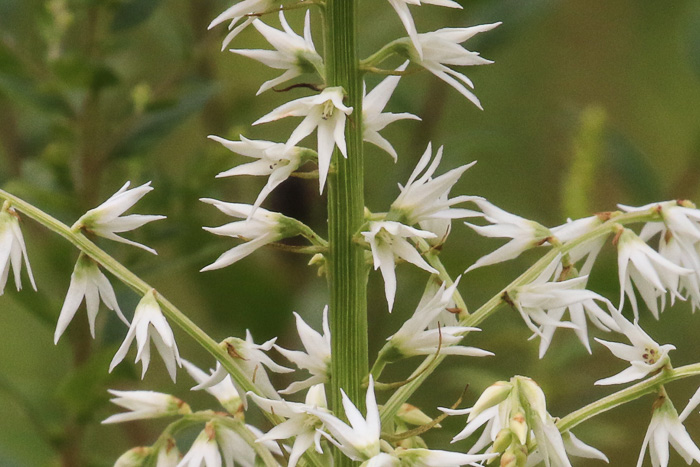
x=503 y=439
x=518 y=426
x=135 y=457
x=493 y=395
x=413 y=415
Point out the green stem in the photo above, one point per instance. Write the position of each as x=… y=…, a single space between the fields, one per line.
x=490 y=307
x=347 y=272
x=626 y=395
x=138 y=285
x=432 y=257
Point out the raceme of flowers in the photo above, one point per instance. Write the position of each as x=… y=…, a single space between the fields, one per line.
x=517 y=428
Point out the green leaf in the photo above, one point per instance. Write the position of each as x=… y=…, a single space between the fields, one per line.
x=157 y=123
x=131 y=13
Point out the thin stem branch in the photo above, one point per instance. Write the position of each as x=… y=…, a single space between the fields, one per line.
x=492 y=305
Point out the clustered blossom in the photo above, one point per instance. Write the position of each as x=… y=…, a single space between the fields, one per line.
x=12 y=249
x=423 y=334
x=542 y=304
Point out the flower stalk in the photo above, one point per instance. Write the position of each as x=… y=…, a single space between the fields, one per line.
x=347 y=271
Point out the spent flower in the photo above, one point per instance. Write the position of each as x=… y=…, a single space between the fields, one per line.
x=87 y=282
x=106 y=220
x=324 y=111
x=148 y=325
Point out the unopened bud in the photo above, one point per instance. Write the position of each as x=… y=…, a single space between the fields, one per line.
x=413 y=415
x=518 y=426
x=135 y=457
x=503 y=440
x=492 y=395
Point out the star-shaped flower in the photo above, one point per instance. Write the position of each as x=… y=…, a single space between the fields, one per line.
x=387 y=240
x=246 y=10
x=652 y=274
x=106 y=220
x=145 y=404
x=317 y=358
x=148 y=325
x=374 y=119
x=424 y=198
x=441 y=48
x=272 y=160
x=645 y=355
x=667 y=427
x=258 y=228
x=401 y=7
x=359 y=440
x=422 y=335
x=525 y=234
x=295 y=54
x=12 y=249
x=300 y=423
x=324 y=111
x=88 y=282
x=252 y=361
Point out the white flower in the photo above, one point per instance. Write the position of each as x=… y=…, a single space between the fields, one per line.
x=425 y=198
x=252 y=361
x=12 y=249
x=652 y=274
x=679 y=241
x=87 y=281
x=359 y=440
x=294 y=53
x=134 y=457
x=544 y=302
x=168 y=454
x=572 y=230
x=317 y=358
x=325 y=111
x=525 y=233
x=401 y=7
x=420 y=334
x=224 y=391
x=148 y=325
x=645 y=355
x=259 y=228
x=144 y=405
x=388 y=242
x=441 y=48
x=667 y=427
x=106 y=220
x=301 y=424
x=373 y=120
x=272 y=160
x=419 y=457
x=246 y=9
x=204 y=451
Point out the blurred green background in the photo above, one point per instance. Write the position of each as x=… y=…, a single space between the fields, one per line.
x=589 y=103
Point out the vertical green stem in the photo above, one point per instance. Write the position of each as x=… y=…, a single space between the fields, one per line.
x=347 y=272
